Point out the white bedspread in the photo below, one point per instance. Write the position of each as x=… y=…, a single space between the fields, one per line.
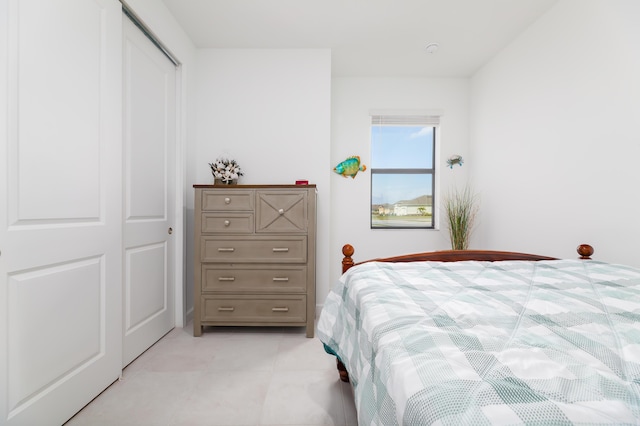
x=460 y=343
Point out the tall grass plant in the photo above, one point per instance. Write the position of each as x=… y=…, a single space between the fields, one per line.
x=461 y=208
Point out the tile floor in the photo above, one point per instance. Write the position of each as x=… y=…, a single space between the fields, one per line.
x=229 y=376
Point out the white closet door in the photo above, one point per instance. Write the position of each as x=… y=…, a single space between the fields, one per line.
x=149 y=147
x=61 y=206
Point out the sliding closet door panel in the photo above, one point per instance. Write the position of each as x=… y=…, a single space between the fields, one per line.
x=149 y=146
x=59 y=182
x=60 y=231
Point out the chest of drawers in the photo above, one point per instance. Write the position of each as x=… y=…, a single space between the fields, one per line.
x=255 y=250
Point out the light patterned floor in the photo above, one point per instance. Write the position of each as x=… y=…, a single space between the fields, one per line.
x=229 y=376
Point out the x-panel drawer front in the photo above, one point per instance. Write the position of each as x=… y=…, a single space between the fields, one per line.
x=281 y=211
x=238 y=249
x=252 y=278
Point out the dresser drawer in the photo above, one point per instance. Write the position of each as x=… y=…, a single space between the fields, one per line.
x=227 y=200
x=239 y=249
x=254 y=279
x=281 y=211
x=263 y=309
x=229 y=223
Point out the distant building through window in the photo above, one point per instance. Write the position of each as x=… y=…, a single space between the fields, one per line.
x=402 y=171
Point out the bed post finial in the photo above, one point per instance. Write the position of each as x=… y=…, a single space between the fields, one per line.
x=585 y=251
x=347 y=261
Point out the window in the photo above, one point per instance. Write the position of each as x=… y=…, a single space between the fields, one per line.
x=402 y=171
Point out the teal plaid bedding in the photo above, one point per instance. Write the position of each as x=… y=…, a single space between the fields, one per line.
x=485 y=343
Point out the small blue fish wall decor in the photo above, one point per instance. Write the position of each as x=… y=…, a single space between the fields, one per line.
x=455 y=159
x=350 y=167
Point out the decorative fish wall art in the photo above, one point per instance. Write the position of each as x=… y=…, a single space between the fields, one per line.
x=455 y=159
x=350 y=167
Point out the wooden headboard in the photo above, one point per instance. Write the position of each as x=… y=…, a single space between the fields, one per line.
x=584 y=250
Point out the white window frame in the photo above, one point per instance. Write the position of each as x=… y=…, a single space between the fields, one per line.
x=429 y=119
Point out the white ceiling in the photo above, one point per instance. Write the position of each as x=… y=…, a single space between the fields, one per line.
x=366 y=37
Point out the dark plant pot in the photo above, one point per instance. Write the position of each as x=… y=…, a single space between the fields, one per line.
x=221 y=182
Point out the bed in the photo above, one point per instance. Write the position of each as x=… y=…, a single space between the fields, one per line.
x=486 y=338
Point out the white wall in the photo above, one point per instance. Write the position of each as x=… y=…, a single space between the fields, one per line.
x=554 y=134
x=352 y=101
x=165 y=28
x=545 y=129
x=270 y=111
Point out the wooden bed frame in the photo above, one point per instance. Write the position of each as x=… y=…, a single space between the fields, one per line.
x=584 y=250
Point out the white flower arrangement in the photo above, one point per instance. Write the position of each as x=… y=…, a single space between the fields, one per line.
x=226 y=170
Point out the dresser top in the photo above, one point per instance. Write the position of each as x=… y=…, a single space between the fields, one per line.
x=252 y=186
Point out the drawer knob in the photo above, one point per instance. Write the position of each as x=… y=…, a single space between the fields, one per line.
x=226 y=309
x=280 y=249
x=279 y=309
x=281 y=279
x=225 y=249
x=226 y=279
x=227 y=223
x=281 y=211
x=227 y=200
